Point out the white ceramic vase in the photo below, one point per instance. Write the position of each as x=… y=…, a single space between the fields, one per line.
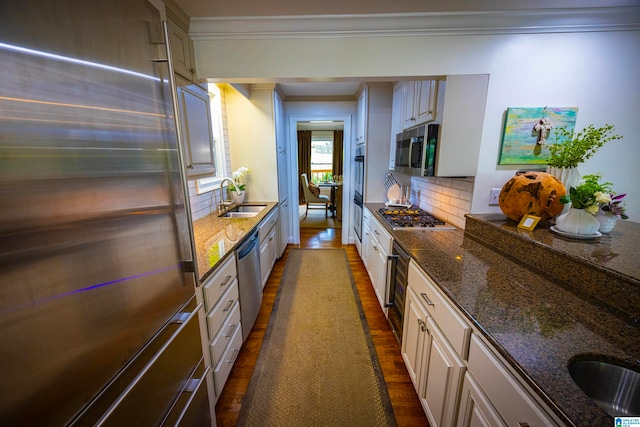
x=238 y=198
x=569 y=177
x=577 y=221
x=607 y=221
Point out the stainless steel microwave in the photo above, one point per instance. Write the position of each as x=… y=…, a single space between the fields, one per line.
x=410 y=151
x=416 y=150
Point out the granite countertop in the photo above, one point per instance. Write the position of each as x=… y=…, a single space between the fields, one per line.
x=216 y=237
x=537 y=321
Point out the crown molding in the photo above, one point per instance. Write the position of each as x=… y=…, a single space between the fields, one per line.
x=441 y=23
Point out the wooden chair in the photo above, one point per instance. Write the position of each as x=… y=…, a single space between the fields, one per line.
x=311 y=199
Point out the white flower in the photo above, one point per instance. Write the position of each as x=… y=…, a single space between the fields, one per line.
x=240 y=172
x=593 y=209
x=602 y=197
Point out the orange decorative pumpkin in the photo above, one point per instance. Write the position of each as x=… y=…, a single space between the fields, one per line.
x=532 y=193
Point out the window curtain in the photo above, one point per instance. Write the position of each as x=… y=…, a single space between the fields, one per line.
x=304 y=159
x=338 y=137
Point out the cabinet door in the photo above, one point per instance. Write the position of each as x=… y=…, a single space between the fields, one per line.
x=396 y=122
x=283 y=238
x=409 y=96
x=442 y=375
x=181 y=51
x=381 y=276
x=366 y=244
x=475 y=408
x=425 y=101
x=361 y=120
x=413 y=336
x=197 y=132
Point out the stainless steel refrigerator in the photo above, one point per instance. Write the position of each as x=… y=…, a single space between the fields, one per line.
x=99 y=323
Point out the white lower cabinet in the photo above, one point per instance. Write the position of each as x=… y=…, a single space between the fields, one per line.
x=377 y=244
x=267 y=231
x=475 y=408
x=221 y=299
x=434 y=367
x=459 y=379
x=515 y=405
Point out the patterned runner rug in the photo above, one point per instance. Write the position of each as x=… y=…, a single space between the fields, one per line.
x=317 y=365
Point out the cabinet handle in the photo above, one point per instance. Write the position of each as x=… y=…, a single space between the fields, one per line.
x=189 y=166
x=423 y=326
x=523 y=424
x=192 y=70
x=376 y=231
x=226 y=281
x=232 y=330
x=235 y=355
x=426 y=298
x=229 y=305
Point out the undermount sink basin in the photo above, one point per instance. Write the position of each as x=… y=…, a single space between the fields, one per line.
x=243 y=211
x=614 y=388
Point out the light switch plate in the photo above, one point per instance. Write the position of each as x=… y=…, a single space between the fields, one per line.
x=493 y=198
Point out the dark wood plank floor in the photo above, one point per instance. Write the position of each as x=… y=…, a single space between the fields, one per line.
x=404 y=399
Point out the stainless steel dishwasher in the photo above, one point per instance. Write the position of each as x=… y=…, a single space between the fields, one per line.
x=248 y=256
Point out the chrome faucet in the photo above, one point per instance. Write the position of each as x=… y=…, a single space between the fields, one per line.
x=223 y=202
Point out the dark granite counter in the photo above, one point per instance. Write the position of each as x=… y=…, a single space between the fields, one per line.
x=536 y=320
x=216 y=238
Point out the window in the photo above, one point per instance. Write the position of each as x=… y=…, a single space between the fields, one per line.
x=211 y=183
x=321 y=155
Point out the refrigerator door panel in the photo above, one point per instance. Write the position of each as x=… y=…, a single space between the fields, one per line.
x=93 y=218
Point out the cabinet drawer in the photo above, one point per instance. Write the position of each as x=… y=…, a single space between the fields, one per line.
x=219 y=282
x=267 y=224
x=221 y=373
x=216 y=317
x=220 y=341
x=381 y=235
x=510 y=399
x=441 y=309
x=366 y=217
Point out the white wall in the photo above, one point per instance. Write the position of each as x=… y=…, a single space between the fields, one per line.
x=596 y=71
x=252 y=140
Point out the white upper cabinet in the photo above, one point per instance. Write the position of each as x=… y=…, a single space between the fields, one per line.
x=419 y=104
x=396 y=121
x=458 y=148
x=361 y=118
x=196 y=130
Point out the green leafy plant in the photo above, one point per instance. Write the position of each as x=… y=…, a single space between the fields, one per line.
x=570 y=149
x=588 y=195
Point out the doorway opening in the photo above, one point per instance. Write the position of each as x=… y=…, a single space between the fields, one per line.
x=322 y=159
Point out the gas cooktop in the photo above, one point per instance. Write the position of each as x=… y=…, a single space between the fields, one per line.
x=413 y=219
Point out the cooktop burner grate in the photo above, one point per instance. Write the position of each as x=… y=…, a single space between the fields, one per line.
x=412 y=219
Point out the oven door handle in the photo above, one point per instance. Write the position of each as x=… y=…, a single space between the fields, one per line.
x=391 y=280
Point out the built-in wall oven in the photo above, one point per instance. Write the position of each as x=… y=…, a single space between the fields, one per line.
x=358 y=199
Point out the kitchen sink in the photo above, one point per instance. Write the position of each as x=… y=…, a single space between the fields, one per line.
x=243 y=211
x=613 y=387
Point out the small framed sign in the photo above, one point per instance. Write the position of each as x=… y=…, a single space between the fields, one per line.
x=529 y=222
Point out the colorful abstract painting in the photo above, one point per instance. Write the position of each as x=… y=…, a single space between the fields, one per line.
x=520 y=137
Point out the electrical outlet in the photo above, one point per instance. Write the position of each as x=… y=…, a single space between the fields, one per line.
x=493 y=198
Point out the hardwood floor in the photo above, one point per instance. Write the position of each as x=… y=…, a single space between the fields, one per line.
x=404 y=399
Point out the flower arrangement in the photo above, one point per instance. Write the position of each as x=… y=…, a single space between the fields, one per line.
x=610 y=203
x=237 y=178
x=591 y=195
x=570 y=149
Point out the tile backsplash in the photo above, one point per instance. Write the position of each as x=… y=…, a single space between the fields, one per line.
x=447 y=198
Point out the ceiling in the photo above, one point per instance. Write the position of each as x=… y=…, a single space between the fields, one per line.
x=343 y=90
